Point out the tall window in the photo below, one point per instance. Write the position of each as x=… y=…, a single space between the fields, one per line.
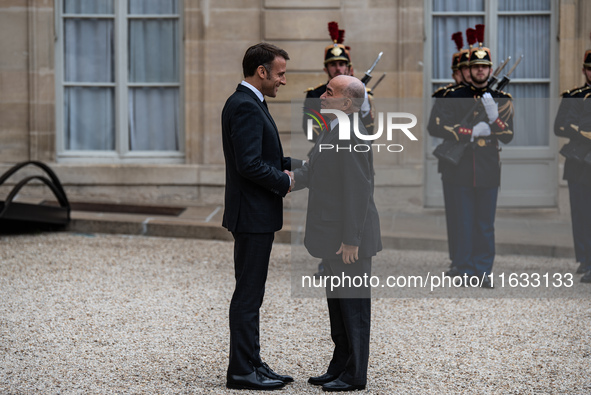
x=119 y=80
x=513 y=28
x=450 y=17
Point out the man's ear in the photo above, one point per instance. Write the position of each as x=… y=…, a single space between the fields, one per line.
x=347 y=104
x=262 y=72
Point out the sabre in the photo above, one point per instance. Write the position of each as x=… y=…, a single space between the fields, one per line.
x=367 y=75
x=378 y=82
x=506 y=78
x=514 y=66
x=502 y=66
x=493 y=78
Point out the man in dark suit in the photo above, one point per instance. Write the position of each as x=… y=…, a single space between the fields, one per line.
x=337 y=61
x=343 y=228
x=257 y=178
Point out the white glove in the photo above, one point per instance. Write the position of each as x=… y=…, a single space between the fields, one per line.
x=481 y=129
x=491 y=107
x=365 y=107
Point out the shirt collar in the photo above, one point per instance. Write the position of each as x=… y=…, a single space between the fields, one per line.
x=255 y=90
x=334 y=123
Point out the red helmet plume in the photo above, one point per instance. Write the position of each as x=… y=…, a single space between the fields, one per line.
x=480 y=33
x=458 y=39
x=333 y=30
x=341 y=38
x=471 y=36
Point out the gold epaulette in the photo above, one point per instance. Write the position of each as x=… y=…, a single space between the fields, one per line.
x=448 y=91
x=579 y=90
x=438 y=90
x=313 y=89
x=446 y=87
x=506 y=94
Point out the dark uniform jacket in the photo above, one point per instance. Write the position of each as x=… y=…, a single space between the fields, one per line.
x=341 y=207
x=459 y=112
x=435 y=115
x=443 y=90
x=573 y=121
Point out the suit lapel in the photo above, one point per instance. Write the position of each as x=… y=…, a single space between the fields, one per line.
x=264 y=108
x=326 y=137
x=268 y=114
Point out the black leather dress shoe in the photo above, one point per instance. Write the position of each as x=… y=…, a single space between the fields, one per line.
x=453 y=272
x=266 y=371
x=320 y=380
x=252 y=381
x=320 y=271
x=486 y=283
x=587 y=277
x=340 y=386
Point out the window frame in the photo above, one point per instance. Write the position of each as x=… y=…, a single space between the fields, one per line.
x=538 y=163
x=491 y=15
x=122 y=86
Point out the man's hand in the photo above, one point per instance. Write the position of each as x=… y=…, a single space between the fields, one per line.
x=491 y=107
x=350 y=253
x=291 y=180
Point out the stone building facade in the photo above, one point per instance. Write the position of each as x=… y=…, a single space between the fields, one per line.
x=215 y=34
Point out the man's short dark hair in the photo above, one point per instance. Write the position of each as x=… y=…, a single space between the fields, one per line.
x=261 y=54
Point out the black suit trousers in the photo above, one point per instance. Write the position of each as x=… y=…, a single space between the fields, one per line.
x=349 y=309
x=251 y=264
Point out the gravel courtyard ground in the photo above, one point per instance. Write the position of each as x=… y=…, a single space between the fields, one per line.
x=117 y=314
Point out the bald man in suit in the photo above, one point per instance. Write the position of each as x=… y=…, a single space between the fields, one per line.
x=343 y=228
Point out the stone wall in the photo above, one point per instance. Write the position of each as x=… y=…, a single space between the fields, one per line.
x=14 y=81
x=216 y=34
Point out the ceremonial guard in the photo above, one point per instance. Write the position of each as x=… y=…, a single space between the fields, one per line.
x=464 y=54
x=573 y=121
x=461 y=75
x=460 y=71
x=337 y=61
x=473 y=119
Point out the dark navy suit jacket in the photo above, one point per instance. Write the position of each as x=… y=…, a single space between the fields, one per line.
x=255 y=182
x=341 y=206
